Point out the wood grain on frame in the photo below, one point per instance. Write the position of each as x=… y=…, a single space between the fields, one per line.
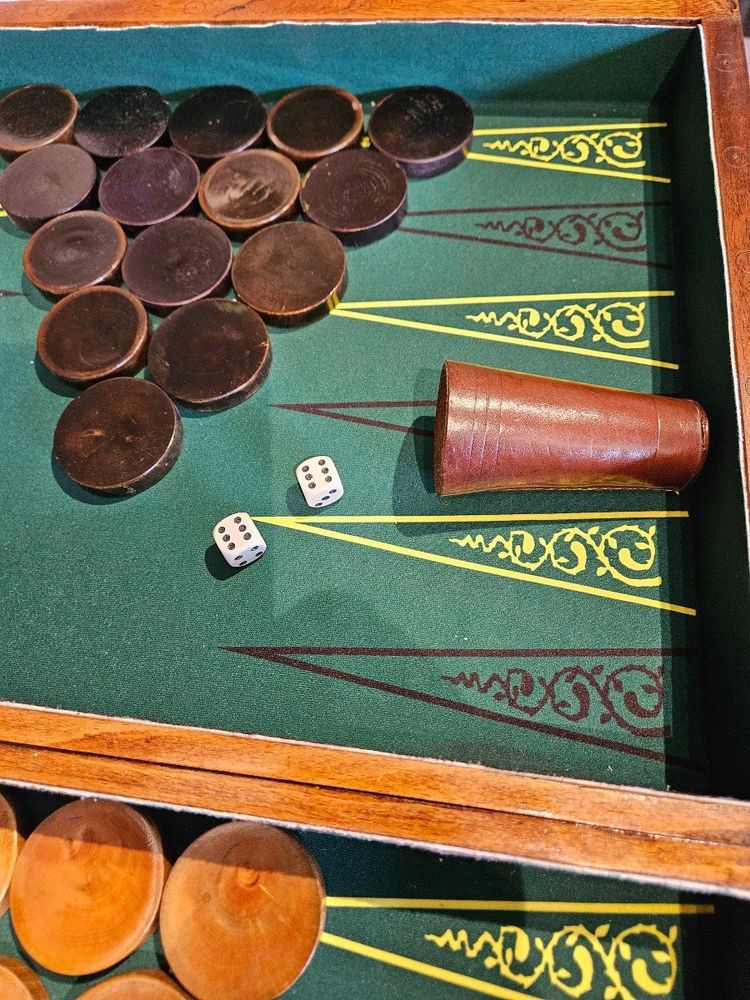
x=683 y=840
x=729 y=90
x=120 y=13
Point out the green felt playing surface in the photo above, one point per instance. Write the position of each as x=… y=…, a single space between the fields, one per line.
x=579 y=633
x=406 y=923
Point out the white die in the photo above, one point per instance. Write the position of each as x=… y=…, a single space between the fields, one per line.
x=319 y=481
x=239 y=540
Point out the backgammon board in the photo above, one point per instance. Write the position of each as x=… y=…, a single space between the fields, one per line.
x=552 y=677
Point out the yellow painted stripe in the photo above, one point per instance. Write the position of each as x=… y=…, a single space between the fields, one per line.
x=613 y=595
x=518 y=162
x=487 y=300
x=524 y=130
x=518 y=906
x=501 y=338
x=424 y=968
x=607 y=515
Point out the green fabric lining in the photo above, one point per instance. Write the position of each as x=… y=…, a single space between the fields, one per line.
x=123 y=607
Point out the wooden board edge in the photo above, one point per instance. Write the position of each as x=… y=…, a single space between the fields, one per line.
x=121 y=13
x=469 y=831
x=351 y=770
x=729 y=109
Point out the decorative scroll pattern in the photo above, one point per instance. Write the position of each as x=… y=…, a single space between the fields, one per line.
x=618 y=148
x=625 y=552
x=630 y=696
x=618 y=323
x=637 y=963
x=566 y=550
x=619 y=230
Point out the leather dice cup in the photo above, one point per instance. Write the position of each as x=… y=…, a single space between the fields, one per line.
x=503 y=430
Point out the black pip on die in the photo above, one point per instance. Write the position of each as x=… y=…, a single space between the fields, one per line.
x=319 y=481
x=238 y=540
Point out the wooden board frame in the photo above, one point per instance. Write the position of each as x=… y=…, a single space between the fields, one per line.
x=691 y=842
x=687 y=841
x=122 y=13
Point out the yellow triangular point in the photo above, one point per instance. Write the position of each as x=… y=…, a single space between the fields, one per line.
x=602 y=515
x=411 y=324
x=356 y=310
x=299 y=524
x=486 y=300
x=526 y=130
x=518 y=162
x=424 y=968
x=520 y=906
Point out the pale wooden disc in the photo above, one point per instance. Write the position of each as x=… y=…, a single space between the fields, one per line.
x=143 y=984
x=242 y=913
x=87 y=886
x=10 y=846
x=18 y=982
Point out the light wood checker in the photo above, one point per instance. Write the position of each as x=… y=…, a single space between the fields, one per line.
x=18 y=982
x=242 y=913
x=10 y=846
x=87 y=886
x=143 y=984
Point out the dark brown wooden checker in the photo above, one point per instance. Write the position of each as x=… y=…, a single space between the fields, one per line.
x=427 y=130
x=176 y=262
x=314 y=122
x=120 y=436
x=93 y=334
x=216 y=121
x=359 y=194
x=211 y=354
x=290 y=273
x=149 y=187
x=34 y=116
x=122 y=120
x=248 y=190
x=47 y=182
x=73 y=251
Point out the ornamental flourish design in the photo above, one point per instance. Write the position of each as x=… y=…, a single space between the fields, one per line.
x=619 y=323
x=618 y=148
x=618 y=230
x=626 y=552
x=639 y=962
x=631 y=696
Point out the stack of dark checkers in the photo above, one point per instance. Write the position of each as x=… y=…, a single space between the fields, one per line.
x=112 y=192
